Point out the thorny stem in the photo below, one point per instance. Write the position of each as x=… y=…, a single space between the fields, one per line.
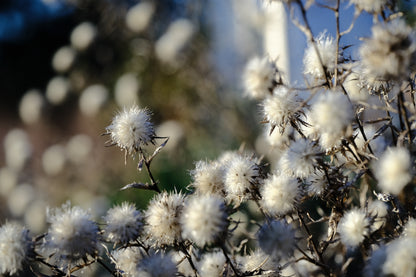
x=153 y=185
x=113 y=273
x=224 y=251
x=338 y=37
x=311 y=241
x=307 y=30
x=402 y=113
x=189 y=258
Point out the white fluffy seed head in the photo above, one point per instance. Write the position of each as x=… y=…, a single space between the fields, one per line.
x=139 y=16
x=131 y=129
x=355 y=88
x=410 y=228
x=280 y=108
x=163 y=218
x=127 y=259
x=17 y=149
x=401 y=257
x=157 y=265
x=353 y=227
x=331 y=113
x=31 y=106
x=299 y=160
x=326 y=46
x=83 y=35
x=208 y=178
x=212 y=264
x=241 y=174
x=279 y=194
x=393 y=170
x=277 y=238
x=72 y=234
x=258 y=77
x=15 y=248
x=204 y=219
x=390 y=52
x=93 y=99
x=123 y=223
x=370 y=6
x=63 y=59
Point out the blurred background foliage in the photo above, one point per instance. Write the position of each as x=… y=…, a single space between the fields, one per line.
x=68 y=66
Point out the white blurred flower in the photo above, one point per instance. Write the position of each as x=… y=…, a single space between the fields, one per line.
x=354 y=87
x=157 y=265
x=330 y=116
x=241 y=174
x=208 y=178
x=410 y=228
x=279 y=194
x=174 y=130
x=204 y=219
x=123 y=223
x=353 y=227
x=17 y=149
x=299 y=159
x=212 y=264
x=54 y=159
x=126 y=90
x=78 y=148
x=93 y=99
x=34 y=216
x=163 y=218
x=326 y=47
x=370 y=6
x=8 y=180
x=138 y=17
x=277 y=238
x=15 y=248
x=258 y=259
x=174 y=40
x=83 y=35
x=131 y=129
x=63 y=59
x=390 y=52
x=258 y=77
x=393 y=170
x=401 y=257
x=20 y=198
x=281 y=107
x=127 y=259
x=72 y=234
x=31 y=106
x=57 y=90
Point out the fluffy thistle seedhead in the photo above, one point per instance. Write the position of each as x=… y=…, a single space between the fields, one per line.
x=204 y=219
x=259 y=76
x=393 y=170
x=131 y=129
x=162 y=218
x=279 y=194
x=212 y=264
x=208 y=177
x=390 y=53
x=315 y=65
x=72 y=234
x=241 y=174
x=277 y=238
x=123 y=223
x=354 y=227
x=299 y=160
x=15 y=248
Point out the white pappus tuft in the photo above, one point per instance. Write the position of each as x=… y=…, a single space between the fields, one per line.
x=204 y=219
x=277 y=238
x=162 y=218
x=15 y=248
x=258 y=77
x=353 y=227
x=70 y=226
x=123 y=223
x=131 y=129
